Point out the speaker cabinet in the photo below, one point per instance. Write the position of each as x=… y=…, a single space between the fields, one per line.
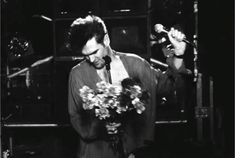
x=128 y=34
x=110 y=7
x=73 y=8
x=61 y=27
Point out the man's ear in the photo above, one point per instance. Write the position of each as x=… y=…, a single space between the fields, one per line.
x=106 y=40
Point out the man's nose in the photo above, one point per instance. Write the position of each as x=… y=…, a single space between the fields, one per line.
x=91 y=57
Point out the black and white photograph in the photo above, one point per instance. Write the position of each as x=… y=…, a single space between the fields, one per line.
x=117 y=79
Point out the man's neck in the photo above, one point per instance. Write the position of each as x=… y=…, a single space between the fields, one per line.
x=111 y=54
x=103 y=74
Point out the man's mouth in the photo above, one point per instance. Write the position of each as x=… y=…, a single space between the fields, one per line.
x=99 y=63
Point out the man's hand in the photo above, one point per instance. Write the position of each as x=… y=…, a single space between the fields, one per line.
x=131 y=156
x=176 y=38
x=112 y=128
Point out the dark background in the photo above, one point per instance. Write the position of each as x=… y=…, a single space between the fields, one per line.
x=45 y=100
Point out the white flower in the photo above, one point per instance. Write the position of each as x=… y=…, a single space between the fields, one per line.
x=114 y=91
x=102 y=86
x=140 y=108
x=121 y=109
x=135 y=91
x=102 y=113
x=135 y=101
x=106 y=99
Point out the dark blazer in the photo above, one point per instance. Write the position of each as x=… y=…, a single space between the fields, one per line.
x=138 y=129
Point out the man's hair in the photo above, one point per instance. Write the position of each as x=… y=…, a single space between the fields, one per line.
x=83 y=29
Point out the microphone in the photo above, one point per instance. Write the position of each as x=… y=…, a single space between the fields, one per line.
x=159 y=28
x=107 y=61
x=157 y=62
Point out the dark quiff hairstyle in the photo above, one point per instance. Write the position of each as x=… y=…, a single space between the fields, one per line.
x=83 y=29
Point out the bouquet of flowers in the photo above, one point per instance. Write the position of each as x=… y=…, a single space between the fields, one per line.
x=110 y=102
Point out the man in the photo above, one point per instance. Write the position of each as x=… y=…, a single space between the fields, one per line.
x=89 y=37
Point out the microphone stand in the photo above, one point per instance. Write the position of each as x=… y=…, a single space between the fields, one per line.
x=39 y=62
x=201 y=111
x=197 y=78
x=195 y=42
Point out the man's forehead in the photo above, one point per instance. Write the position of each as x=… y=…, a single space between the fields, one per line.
x=91 y=42
x=90 y=46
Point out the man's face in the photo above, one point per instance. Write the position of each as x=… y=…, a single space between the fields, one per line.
x=94 y=53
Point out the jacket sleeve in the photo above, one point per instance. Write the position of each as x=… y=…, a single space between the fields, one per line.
x=86 y=126
x=156 y=82
x=171 y=78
